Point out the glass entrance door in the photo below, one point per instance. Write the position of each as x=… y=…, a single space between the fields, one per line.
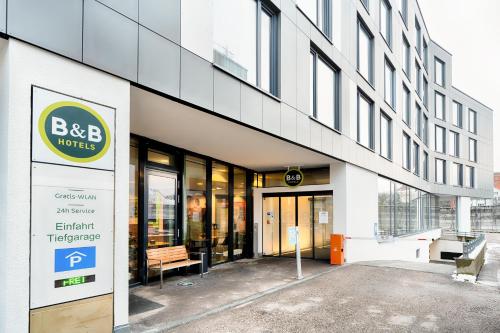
x=162 y=208
x=312 y=213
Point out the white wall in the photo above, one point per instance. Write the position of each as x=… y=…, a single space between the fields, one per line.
x=26 y=66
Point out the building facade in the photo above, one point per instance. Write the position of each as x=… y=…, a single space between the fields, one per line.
x=214 y=101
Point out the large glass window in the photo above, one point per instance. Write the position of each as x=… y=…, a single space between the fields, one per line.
x=426 y=55
x=401 y=202
x=440 y=140
x=440 y=171
x=389 y=84
x=456 y=174
x=365 y=121
x=415 y=210
x=472 y=121
x=385 y=136
x=456 y=114
x=418 y=79
x=406 y=151
x=385 y=207
x=195 y=202
x=133 y=213
x=239 y=212
x=469 y=176
x=472 y=150
x=425 y=164
x=406 y=106
x=220 y=213
x=439 y=73
x=237 y=39
x=440 y=106
x=386 y=21
x=324 y=88
x=453 y=142
x=319 y=12
x=418 y=120
x=425 y=130
x=418 y=37
x=403 y=9
x=406 y=57
x=416 y=158
x=425 y=89
x=365 y=52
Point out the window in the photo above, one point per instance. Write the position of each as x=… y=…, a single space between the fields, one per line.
x=472 y=150
x=406 y=106
x=324 y=91
x=439 y=74
x=416 y=158
x=454 y=148
x=472 y=121
x=426 y=93
x=439 y=105
x=418 y=120
x=425 y=130
x=365 y=121
x=426 y=55
x=440 y=171
x=406 y=57
x=469 y=176
x=440 y=139
x=389 y=84
x=239 y=212
x=406 y=151
x=319 y=12
x=425 y=163
x=418 y=37
x=418 y=79
x=456 y=114
x=365 y=52
x=385 y=136
x=386 y=21
x=456 y=174
x=237 y=39
x=403 y=9
x=365 y=3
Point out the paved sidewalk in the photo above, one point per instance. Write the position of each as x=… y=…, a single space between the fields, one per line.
x=437 y=268
x=490 y=273
x=153 y=309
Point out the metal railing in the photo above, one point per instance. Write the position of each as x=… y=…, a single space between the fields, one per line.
x=471 y=245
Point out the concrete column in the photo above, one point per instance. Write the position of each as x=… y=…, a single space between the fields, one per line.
x=463 y=214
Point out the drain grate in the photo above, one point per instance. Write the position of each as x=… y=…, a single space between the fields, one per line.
x=185 y=283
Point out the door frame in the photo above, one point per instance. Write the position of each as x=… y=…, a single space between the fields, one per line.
x=295 y=195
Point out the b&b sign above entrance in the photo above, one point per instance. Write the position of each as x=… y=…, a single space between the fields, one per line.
x=293 y=177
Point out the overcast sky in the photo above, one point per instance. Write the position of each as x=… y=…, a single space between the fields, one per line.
x=470 y=30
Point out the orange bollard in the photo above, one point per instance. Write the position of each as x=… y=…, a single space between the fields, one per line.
x=336 y=249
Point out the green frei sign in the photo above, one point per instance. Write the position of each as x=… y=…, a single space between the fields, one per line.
x=74 y=131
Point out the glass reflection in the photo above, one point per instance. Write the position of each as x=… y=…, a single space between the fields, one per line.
x=133 y=214
x=195 y=200
x=239 y=212
x=220 y=209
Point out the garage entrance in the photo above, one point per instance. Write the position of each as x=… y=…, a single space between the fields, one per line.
x=312 y=212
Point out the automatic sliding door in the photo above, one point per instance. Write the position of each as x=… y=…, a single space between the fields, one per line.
x=271 y=226
x=288 y=219
x=304 y=213
x=323 y=225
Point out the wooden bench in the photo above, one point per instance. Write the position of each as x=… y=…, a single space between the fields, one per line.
x=166 y=258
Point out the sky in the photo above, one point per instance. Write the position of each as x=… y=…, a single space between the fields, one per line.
x=470 y=31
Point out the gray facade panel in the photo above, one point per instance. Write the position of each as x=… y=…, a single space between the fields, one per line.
x=128 y=8
x=163 y=17
x=110 y=40
x=303 y=129
x=288 y=62
x=52 y=24
x=227 y=95
x=315 y=135
x=271 y=119
x=251 y=106
x=197 y=80
x=159 y=63
x=288 y=122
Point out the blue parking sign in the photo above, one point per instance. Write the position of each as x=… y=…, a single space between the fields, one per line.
x=74 y=258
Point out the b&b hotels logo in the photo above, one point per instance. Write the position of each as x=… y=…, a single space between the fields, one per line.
x=74 y=132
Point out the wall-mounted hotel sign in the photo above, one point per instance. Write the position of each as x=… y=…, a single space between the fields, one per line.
x=293 y=177
x=72 y=199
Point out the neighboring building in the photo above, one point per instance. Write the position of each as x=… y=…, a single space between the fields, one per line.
x=213 y=100
x=497 y=181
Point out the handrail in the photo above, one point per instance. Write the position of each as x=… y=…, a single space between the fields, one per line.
x=471 y=245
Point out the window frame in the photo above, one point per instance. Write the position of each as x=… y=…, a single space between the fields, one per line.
x=443 y=72
x=403 y=11
x=407 y=159
x=459 y=170
x=387 y=39
x=416 y=158
x=390 y=66
x=362 y=25
x=425 y=129
x=371 y=120
x=418 y=120
x=418 y=79
x=471 y=140
x=389 y=138
x=453 y=137
x=443 y=109
x=406 y=105
x=436 y=171
x=459 y=115
x=318 y=56
x=444 y=140
x=418 y=37
x=425 y=162
x=406 y=57
x=475 y=121
x=323 y=20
